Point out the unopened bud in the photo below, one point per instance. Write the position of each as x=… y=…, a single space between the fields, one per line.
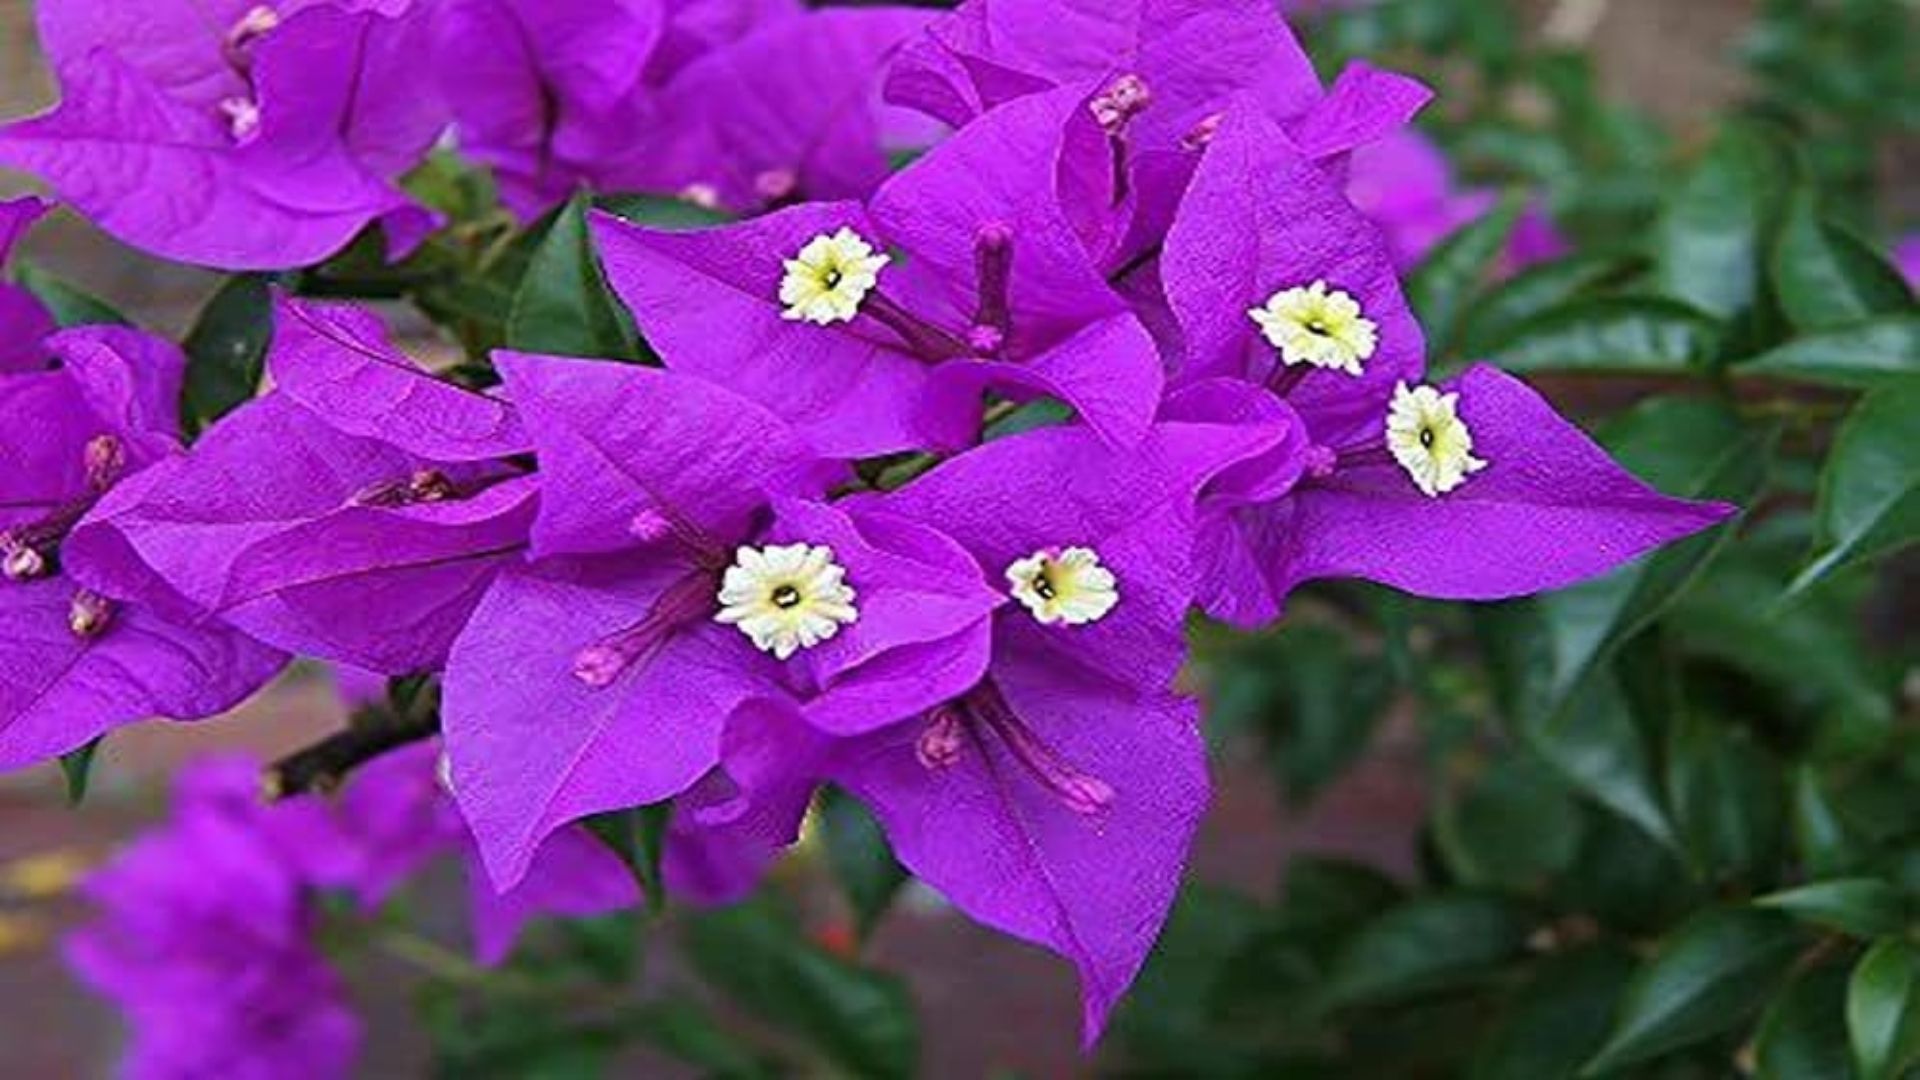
x=1321 y=461
x=599 y=665
x=243 y=117
x=106 y=459
x=704 y=196
x=776 y=185
x=20 y=561
x=1203 y=132
x=90 y=615
x=940 y=745
x=1123 y=100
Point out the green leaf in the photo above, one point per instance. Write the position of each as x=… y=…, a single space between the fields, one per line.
x=687 y=1032
x=859 y=1019
x=1726 y=796
x=1870 y=485
x=1442 y=287
x=1515 y=826
x=1496 y=317
x=1555 y=1020
x=1315 y=702
x=68 y=305
x=563 y=306
x=1626 y=879
x=1709 y=975
x=1168 y=1016
x=861 y=860
x=1709 y=242
x=1883 y=1010
x=77 y=767
x=1862 y=356
x=658 y=212
x=1591 y=738
x=1863 y=907
x=1329 y=897
x=227 y=348
x=1611 y=334
x=1427 y=943
x=1827 y=277
x=638 y=836
x=1803 y=1034
x=1820 y=835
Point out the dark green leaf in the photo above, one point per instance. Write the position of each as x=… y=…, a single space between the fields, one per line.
x=1513 y=827
x=1442 y=287
x=1726 y=796
x=1591 y=738
x=1826 y=277
x=1863 y=356
x=1819 y=834
x=1329 y=897
x=1626 y=879
x=1803 y=1034
x=1427 y=943
x=860 y=857
x=1863 y=907
x=227 y=348
x=1612 y=334
x=860 y=1019
x=563 y=306
x=68 y=305
x=77 y=767
x=1168 y=1016
x=657 y=212
x=1883 y=1010
x=686 y=1031
x=1710 y=974
x=1870 y=485
x=1314 y=700
x=1556 y=1019
x=1493 y=321
x=638 y=836
x=1709 y=243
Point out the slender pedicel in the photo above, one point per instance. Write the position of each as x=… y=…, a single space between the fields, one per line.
x=684 y=602
x=993 y=274
x=1080 y=792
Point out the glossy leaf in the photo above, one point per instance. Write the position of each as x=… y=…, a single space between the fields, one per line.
x=1861 y=356
x=1496 y=317
x=68 y=305
x=1709 y=242
x=1803 y=1034
x=637 y=835
x=227 y=349
x=76 y=766
x=1870 y=485
x=861 y=860
x=1828 y=278
x=1424 y=944
x=1556 y=1019
x=563 y=306
x=1708 y=976
x=1883 y=1010
x=1726 y=797
x=1863 y=907
x=1512 y=828
x=1613 y=334
x=859 y=1019
x=1442 y=287
x=1820 y=834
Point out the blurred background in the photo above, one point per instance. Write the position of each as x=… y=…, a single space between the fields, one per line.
x=1669 y=67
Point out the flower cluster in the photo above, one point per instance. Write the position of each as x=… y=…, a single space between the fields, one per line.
x=840 y=537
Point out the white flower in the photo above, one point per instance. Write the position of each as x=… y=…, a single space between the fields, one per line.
x=1069 y=587
x=1429 y=440
x=1317 y=326
x=786 y=597
x=826 y=282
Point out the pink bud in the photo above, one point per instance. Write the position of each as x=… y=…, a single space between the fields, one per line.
x=90 y=614
x=941 y=744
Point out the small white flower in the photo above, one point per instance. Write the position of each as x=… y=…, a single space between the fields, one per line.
x=828 y=279
x=786 y=597
x=1069 y=586
x=1318 y=326
x=1429 y=440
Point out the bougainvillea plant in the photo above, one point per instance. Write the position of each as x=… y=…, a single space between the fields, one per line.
x=876 y=416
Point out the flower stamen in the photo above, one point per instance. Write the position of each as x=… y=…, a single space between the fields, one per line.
x=1317 y=326
x=828 y=279
x=1428 y=439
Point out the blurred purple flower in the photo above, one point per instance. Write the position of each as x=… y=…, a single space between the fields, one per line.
x=356 y=513
x=24 y=321
x=1906 y=255
x=204 y=936
x=233 y=133
x=1475 y=491
x=1406 y=185
x=803 y=311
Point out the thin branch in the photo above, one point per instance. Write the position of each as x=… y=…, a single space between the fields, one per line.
x=323 y=765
